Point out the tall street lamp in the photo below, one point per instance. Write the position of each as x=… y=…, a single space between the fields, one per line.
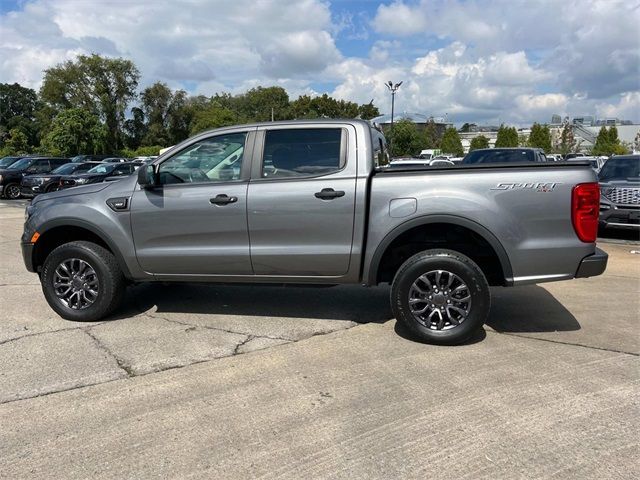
x=393 y=89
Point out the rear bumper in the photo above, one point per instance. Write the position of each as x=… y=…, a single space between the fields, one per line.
x=593 y=265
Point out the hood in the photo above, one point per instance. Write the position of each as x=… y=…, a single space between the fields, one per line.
x=69 y=192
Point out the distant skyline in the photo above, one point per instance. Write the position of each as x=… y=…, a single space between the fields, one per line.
x=476 y=61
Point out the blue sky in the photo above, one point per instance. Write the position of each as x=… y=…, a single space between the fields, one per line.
x=516 y=61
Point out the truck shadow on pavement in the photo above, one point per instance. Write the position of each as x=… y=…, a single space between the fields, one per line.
x=528 y=309
x=513 y=310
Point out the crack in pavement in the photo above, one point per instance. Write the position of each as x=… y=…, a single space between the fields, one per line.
x=154 y=372
x=560 y=342
x=121 y=363
x=42 y=333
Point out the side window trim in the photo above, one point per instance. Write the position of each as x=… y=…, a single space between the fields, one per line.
x=259 y=148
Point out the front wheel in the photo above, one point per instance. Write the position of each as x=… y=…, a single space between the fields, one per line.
x=12 y=191
x=441 y=296
x=82 y=281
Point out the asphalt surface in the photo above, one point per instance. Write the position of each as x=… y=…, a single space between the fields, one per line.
x=205 y=381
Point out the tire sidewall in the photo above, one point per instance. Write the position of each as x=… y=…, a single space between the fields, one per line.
x=6 y=195
x=105 y=286
x=455 y=263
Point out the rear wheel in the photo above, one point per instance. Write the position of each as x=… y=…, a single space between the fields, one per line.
x=441 y=296
x=12 y=191
x=82 y=281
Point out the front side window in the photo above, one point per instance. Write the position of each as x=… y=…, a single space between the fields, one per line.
x=215 y=159
x=100 y=169
x=302 y=152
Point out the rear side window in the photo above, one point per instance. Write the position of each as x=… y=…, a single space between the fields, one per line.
x=303 y=152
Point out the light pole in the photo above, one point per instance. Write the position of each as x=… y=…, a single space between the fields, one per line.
x=393 y=89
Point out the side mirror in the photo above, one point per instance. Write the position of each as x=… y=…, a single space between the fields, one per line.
x=147 y=177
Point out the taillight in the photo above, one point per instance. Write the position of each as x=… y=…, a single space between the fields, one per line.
x=585 y=208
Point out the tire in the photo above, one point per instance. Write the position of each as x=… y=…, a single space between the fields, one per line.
x=104 y=288
x=12 y=191
x=432 y=311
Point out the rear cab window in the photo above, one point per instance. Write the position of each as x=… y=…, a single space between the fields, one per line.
x=303 y=152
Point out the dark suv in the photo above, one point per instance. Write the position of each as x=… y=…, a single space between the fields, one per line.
x=33 y=185
x=11 y=177
x=620 y=192
x=505 y=155
x=102 y=172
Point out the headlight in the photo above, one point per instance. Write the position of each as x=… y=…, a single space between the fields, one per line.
x=604 y=191
x=44 y=179
x=0 y=178
x=80 y=181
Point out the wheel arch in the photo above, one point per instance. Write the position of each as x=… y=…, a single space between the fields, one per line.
x=425 y=221
x=63 y=230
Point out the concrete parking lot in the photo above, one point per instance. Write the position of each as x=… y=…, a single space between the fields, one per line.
x=212 y=381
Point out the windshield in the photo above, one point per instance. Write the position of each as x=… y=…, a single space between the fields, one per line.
x=66 y=169
x=103 y=168
x=20 y=164
x=6 y=161
x=620 y=169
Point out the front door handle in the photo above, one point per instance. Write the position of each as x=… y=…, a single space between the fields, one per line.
x=329 y=193
x=223 y=199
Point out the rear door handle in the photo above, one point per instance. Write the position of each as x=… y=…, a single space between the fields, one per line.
x=223 y=199
x=329 y=193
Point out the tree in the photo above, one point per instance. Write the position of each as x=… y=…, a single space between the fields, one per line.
x=404 y=139
x=451 y=142
x=608 y=143
x=367 y=111
x=479 y=142
x=567 y=142
x=261 y=104
x=214 y=116
x=18 y=106
x=134 y=129
x=507 y=137
x=76 y=131
x=325 y=106
x=540 y=137
x=431 y=135
x=102 y=86
x=16 y=142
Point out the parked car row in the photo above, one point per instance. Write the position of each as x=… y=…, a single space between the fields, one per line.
x=32 y=175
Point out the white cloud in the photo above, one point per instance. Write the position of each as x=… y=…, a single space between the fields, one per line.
x=477 y=60
x=399 y=19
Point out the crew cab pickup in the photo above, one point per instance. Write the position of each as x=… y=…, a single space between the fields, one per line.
x=314 y=202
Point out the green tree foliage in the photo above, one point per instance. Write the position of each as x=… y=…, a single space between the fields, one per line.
x=608 y=143
x=102 y=86
x=540 y=137
x=74 y=131
x=260 y=104
x=507 y=137
x=18 y=107
x=16 y=142
x=213 y=116
x=479 y=142
x=451 y=142
x=167 y=113
x=431 y=135
x=367 y=111
x=404 y=139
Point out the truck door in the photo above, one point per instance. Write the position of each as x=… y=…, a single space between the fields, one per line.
x=195 y=221
x=301 y=201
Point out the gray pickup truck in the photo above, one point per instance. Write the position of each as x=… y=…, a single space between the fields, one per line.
x=313 y=202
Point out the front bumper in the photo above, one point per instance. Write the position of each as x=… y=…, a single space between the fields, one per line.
x=27 y=255
x=619 y=216
x=593 y=265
